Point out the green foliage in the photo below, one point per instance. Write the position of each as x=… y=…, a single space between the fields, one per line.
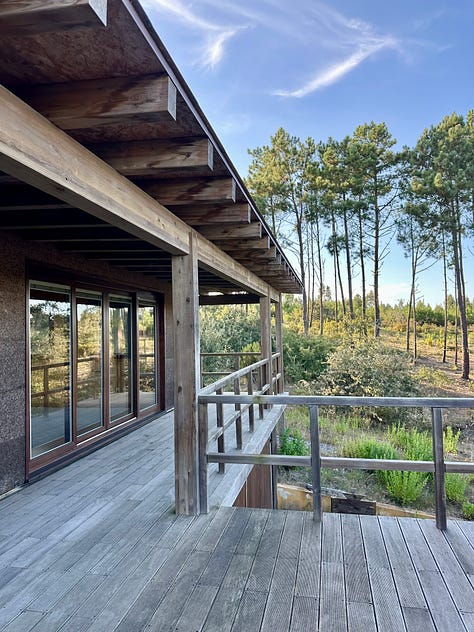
x=293 y=443
x=304 y=357
x=370 y=369
x=404 y=487
x=416 y=445
x=467 y=510
x=451 y=440
x=456 y=486
x=366 y=448
x=228 y=328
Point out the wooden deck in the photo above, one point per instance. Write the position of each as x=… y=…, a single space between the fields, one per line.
x=96 y=546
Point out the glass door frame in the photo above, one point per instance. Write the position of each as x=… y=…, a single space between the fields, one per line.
x=106 y=289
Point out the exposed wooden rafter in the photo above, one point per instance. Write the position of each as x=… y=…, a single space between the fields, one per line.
x=192 y=190
x=31 y=17
x=211 y=214
x=234 y=232
x=42 y=156
x=152 y=157
x=85 y=104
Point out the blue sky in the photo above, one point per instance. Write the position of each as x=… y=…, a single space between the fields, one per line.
x=320 y=69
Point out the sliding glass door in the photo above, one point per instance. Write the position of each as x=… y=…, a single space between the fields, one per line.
x=148 y=382
x=93 y=363
x=89 y=361
x=120 y=357
x=50 y=370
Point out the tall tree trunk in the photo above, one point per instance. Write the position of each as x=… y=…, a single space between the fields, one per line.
x=459 y=273
x=362 y=274
x=376 y=272
x=321 y=277
x=347 y=246
x=446 y=315
x=408 y=323
x=301 y=253
x=337 y=263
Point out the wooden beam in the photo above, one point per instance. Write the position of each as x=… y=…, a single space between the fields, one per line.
x=35 y=151
x=233 y=232
x=186 y=191
x=211 y=214
x=31 y=17
x=211 y=258
x=186 y=379
x=252 y=244
x=152 y=157
x=93 y=103
x=245 y=254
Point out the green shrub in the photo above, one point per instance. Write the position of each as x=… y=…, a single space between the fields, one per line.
x=304 y=357
x=293 y=443
x=416 y=445
x=451 y=440
x=468 y=510
x=456 y=486
x=404 y=487
x=370 y=369
x=369 y=449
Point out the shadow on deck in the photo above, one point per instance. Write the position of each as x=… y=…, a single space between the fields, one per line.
x=96 y=546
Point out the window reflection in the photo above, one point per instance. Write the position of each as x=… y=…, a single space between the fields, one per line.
x=89 y=361
x=147 y=355
x=121 y=403
x=50 y=326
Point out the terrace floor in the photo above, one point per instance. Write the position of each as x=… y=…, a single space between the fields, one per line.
x=96 y=546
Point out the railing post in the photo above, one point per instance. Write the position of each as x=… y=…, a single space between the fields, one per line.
x=252 y=407
x=220 y=424
x=238 y=421
x=46 y=386
x=203 y=437
x=438 y=458
x=315 y=462
x=259 y=387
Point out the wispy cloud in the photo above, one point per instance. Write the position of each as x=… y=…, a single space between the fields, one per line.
x=335 y=72
x=347 y=41
x=215 y=35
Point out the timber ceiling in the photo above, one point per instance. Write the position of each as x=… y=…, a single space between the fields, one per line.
x=116 y=90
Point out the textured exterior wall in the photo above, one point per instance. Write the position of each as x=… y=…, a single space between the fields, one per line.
x=12 y=365
x=14 y=253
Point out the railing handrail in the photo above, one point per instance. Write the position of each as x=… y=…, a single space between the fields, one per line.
x=438 y=465
x=231 y=354
x=341 y=400
x=207 y=390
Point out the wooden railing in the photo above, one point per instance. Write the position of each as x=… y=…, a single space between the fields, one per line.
x=231 y=360
x=258 y=379
x=438 y=465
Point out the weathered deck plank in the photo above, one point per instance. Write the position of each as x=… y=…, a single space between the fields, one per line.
x=93 y=550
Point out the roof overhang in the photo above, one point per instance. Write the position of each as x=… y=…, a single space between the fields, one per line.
x=93 y=82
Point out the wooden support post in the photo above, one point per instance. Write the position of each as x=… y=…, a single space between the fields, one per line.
x=279 y=348
x=238 y=421
x=186 y=379
x=203 y=435
x=274 y=450
x=259 y=389
x=279 y=342
x=252 y=407
x=266 y=339
x=315 y=462
x=220 y=424
x=438 y=458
